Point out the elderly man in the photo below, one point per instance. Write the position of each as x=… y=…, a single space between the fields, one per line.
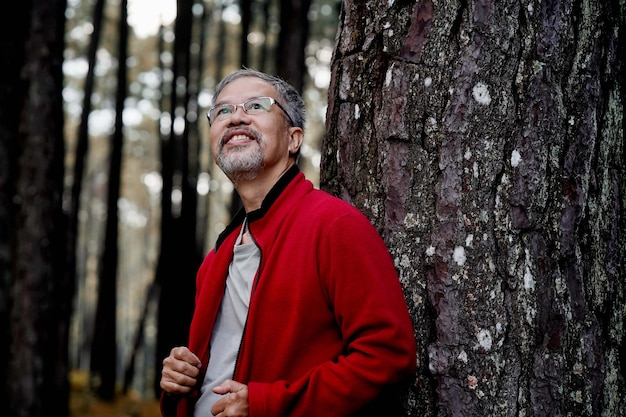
x=299 y=311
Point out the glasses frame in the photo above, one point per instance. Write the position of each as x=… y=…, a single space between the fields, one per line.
x=243 y=107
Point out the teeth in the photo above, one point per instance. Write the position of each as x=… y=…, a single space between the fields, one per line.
x=240 y=137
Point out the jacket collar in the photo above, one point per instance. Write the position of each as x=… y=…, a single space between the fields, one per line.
x=269 y=199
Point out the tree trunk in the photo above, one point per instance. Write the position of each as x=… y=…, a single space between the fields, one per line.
x=292 y=40
x=12 y=95
x=485 y=141
x=245 y=10
x=39 y=304
x=80 y=157
x=104 y=350
x=178 y=257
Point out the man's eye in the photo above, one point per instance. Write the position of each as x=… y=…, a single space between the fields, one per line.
x=255 y=105
x=220 y=111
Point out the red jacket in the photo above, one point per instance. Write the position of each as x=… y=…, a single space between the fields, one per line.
x=328 y=328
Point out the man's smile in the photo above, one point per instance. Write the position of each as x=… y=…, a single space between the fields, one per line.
x=238 y=139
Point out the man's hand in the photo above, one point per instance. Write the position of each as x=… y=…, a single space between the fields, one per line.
x=234 y=403
x=180 y=371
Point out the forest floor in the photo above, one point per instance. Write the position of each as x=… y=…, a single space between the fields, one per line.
x=84 y=403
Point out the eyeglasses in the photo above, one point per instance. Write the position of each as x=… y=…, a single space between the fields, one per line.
x=257 y=105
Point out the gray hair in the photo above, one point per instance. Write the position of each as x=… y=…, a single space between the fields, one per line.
x=289 y=97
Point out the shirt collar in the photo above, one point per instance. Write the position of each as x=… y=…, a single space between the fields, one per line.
x=269 y=199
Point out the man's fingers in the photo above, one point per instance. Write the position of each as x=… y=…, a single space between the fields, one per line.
x=182 y=353
x=174 y=388
x=235 y=402
x=228 y=386
x=182 y=360
x=186 y=377
x=180 y=366
x=180 y=371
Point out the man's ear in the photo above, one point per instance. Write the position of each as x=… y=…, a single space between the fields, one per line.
x=296 y=136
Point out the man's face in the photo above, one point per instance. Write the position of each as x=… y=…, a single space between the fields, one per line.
x=246 y=145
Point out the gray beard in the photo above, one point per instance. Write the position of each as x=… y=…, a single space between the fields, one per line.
x=241 y=167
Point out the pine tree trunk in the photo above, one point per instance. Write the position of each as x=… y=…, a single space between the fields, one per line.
x=485 y=141
x=104 y=346
x=178 y=257
x=40 y=297
x=292 y=40
x=12 y=92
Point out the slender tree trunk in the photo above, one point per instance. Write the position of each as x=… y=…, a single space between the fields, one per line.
x=82 y=149
x=485 y=140
x=104 y=350
x=163 y=265
x=221 y=46
x=264 y=53
x=245 y=7
x=177 y=261
x=197 y=219
x=294 y=32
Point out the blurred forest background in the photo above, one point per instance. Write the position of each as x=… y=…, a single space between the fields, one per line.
x=173 y=66
x=143 y=200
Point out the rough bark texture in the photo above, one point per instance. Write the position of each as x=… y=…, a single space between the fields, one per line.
x=485 y=141
x=37 y=365
x=12 y=92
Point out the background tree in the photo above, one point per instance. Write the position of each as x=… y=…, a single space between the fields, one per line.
x=104 y=347
x=82 y=147
x=12 y=90
x=292 y=40
x=179 y=257
x=32 y=223
x=485 y=140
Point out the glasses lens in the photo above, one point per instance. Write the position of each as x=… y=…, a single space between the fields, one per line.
x=220 y=111
x=258 y=105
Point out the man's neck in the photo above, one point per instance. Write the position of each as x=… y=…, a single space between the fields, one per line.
x=253 y=192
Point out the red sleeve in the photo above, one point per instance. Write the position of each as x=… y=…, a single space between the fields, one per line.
x=362 y=287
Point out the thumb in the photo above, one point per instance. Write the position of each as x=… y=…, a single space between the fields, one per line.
x=228 y=386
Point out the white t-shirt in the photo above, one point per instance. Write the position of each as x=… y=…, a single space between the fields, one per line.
x=229 y=324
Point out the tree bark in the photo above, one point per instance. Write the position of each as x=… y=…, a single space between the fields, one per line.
x=485 y=141
x=39 y=303
x=12 y=94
